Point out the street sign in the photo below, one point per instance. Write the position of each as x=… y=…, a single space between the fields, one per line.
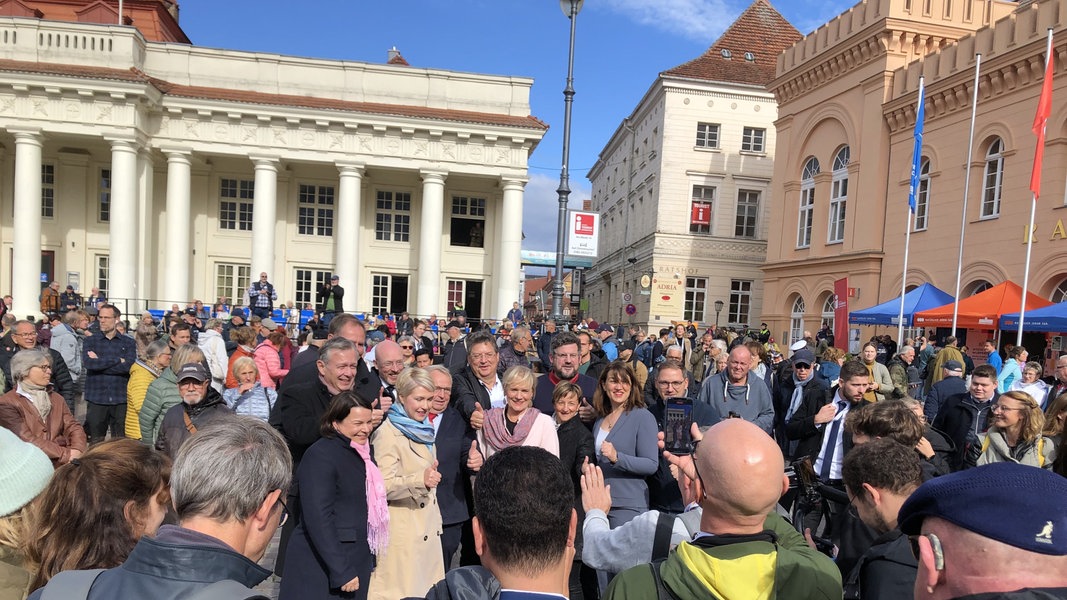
x=627 y=297
x=631 y=309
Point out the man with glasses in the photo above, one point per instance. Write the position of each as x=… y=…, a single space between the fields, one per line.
x=107 y=359
x=388 y=363
x=563 y=362
x=261 y=297
x=963 y=416
x=477 y=387
x=514 y=350
x=201 y=404
x=1058 y=382
x=227 y=486
x=996 y=531
x=24 y=337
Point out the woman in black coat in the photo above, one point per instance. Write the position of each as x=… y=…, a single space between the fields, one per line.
x=576 y=447
x=332 y=552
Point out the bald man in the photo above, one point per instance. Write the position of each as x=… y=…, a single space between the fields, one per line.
x=741 y=549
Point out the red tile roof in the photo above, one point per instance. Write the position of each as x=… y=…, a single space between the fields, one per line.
x=760 y=30
x=250 y=97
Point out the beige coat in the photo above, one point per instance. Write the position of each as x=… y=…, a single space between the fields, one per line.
x=412 y=562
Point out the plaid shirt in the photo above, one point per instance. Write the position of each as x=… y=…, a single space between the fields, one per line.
x=258 y=300
x=108 y=374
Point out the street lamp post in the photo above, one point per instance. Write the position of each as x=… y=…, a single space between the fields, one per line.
x=718 y=309
x=570 y=9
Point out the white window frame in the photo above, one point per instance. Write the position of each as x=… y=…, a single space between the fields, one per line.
x=703 y=194
x=240 y=196
x=103 y=210
x=992 y=180
x=696 y=299
x=1060 y=293
x=922 y=197
x=740 y=307
x=469 y=208
x=828 y=312
x=835 y=228
x=392 y=216
x=747 y=218
x=233 y=280
x=455 y=291
x=796 y=320
x=806 y=213
x=753 y=139
x=707 y=135
x=315 y=209
x=381 y=285
x=48 y=191
x=977 y=287
x=102 y=263
x=306 y=284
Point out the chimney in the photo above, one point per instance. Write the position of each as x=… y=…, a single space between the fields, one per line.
x=392 y=54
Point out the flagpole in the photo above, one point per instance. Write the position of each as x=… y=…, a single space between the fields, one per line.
x=1044 y=107
x=966 y=193
x=120 y=12
x=913 y=191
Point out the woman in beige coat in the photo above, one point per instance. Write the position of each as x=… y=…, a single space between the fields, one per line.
x=404 y=451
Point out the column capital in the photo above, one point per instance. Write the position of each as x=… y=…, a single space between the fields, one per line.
x=432 y=176
x=26 y=135
x=514 y=183
x=348 y=168
x=123 y=143
x=170 y=151
x=263 y=161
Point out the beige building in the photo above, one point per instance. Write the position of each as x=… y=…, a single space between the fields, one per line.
x=846 y=102
x=683 y=186
x=162 y=171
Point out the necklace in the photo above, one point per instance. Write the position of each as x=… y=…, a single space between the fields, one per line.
x=611 y=420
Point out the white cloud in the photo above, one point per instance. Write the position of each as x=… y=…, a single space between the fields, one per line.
x=540 y=210
x=699 y=20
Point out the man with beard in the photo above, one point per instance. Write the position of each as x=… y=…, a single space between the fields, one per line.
x=563 y=361
x=200 y=405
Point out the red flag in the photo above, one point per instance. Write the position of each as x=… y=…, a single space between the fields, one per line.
x=1044 y=109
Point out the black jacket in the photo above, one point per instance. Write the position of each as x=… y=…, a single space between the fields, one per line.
x=886 y=571
x=367 y=384
x=338 y=293
x=802 y=427
x=297 y=414
x=784 y=395
x=173 y=432
x=467 y=391
x=575 y=446
x=453 y=443
x=961 y=419
x=466 y=583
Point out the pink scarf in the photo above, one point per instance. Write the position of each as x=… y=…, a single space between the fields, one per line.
x=496 y=431
x=377 y=505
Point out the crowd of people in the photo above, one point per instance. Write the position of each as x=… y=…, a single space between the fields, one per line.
x=525 y=461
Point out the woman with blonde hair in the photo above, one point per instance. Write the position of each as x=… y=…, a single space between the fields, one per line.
x=518 y=423
x=1014 y=434
x=1030 y=382
x=249 y=397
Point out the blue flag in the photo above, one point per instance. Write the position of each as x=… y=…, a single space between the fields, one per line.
x=916 y=155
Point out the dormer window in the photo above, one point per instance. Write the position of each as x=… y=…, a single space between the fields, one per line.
x=725 y=53
x=750 y=57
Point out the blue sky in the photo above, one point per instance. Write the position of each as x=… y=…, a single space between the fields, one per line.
x=621 y=45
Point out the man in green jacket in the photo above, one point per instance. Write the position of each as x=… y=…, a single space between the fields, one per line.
x=744 y=550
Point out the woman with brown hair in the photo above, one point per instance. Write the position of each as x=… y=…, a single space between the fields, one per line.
x=96 y=508
x=625 y=442
x=1014 y=434
x=1055 y=417
x=269 y=361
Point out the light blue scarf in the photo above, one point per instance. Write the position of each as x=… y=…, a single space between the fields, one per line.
x=415 y=431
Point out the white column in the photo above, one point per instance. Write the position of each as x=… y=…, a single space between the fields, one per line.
x=346 y=237
x=177 y=255
x=432 y=221
x=123 y=260
x=26 y=255
x=264 y=218
x=146 y=277
x=509 y=271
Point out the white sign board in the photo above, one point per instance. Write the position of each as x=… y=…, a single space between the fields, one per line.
x=583 y=233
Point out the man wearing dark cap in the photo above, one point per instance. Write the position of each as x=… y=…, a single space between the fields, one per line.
x=200 y=405
x=69 y=300
x=951 y=384
x=606 y=332
x=792 y=386
x=994 y=532
x=330 y=299
x=455 y=350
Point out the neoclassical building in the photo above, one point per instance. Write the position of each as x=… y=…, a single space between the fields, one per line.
x=846 y=102
x=161 y=171
x=683 y=185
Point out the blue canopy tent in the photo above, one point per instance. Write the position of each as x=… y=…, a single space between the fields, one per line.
x=1051 y=318
x=922 y=298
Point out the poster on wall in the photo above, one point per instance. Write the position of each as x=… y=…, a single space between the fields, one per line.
x=583 y=234
x=840 y=312
x=668 y=294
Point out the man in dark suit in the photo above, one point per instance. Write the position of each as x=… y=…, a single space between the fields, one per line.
x=458 y=458
x=477 y=387
x=350 y=328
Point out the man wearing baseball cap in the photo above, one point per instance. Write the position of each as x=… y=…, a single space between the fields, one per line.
x=994 y=532
x=200 y=405
x=951 y=384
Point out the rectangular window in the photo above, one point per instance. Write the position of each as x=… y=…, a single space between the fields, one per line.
x=740 y=301
x=747 y=210
x=807 y=206
x=392 y=217
x=838 y=199
x=468 y=222
x=232 y=281
x=103 y=273
x=315 y=210
x=700 y=213
x=456 y=289
x=389 y=294
x=308 y=282
x=922 y=201
x=696 y=298
x=752 y=139
x=104 y=213
x=379 y=300
x=235 y=204
x=48 y=191
x=707 y=135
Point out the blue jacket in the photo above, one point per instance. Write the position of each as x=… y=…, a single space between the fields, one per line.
x=108 y=374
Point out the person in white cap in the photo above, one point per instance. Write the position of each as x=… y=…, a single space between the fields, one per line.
x=25 y=471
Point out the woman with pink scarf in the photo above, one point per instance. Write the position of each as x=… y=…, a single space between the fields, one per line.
x=517 y=423
x=344 y=525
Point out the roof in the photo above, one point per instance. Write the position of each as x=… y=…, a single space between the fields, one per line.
x=760 y=31
x=252 y=97
x=982 y=311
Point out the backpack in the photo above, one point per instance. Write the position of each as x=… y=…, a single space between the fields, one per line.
x=75 y=585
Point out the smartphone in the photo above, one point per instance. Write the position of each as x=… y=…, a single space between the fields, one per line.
x=677 y=424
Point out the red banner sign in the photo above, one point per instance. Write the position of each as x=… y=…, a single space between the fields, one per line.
x=841 y=295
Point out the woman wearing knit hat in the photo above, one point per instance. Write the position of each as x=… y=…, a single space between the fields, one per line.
x=24 y=472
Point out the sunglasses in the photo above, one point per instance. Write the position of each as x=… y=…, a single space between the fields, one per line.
x=935 y=546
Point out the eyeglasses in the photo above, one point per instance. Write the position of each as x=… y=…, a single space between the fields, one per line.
x=1002 y=408
x=670 y=384
x=566 y=356
x=285 y=512
x=26 y=334
x=442 y=389
x=801 y=366
x=393 y=364
x=407 y=347
x=935 y=546
x=43 y=367
x=482 y=356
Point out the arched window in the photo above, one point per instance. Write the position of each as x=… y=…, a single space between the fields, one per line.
x=1060 y=293
x=922 y=196
x=977 y=287
x=994 y=172
x=838 y=198
x=796 y=321
x=807 y=202
x=828 y=310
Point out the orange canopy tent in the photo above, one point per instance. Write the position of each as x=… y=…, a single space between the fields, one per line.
x=981 y=311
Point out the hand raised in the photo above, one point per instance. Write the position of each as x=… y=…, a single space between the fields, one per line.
x=478 y=417
x=475 y=460
x=594 y=493
x=431 y=477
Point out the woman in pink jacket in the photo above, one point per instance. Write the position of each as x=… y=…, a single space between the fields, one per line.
x=269 y=361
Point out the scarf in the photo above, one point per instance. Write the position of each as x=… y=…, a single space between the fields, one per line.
x=38 y=395
x=377 y=505
x=798 y=395
x=496 y=430
x=415 y=431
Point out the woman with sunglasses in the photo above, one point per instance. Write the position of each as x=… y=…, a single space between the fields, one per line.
x=344 y=524
x=407 y=350
x=1015 y=434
